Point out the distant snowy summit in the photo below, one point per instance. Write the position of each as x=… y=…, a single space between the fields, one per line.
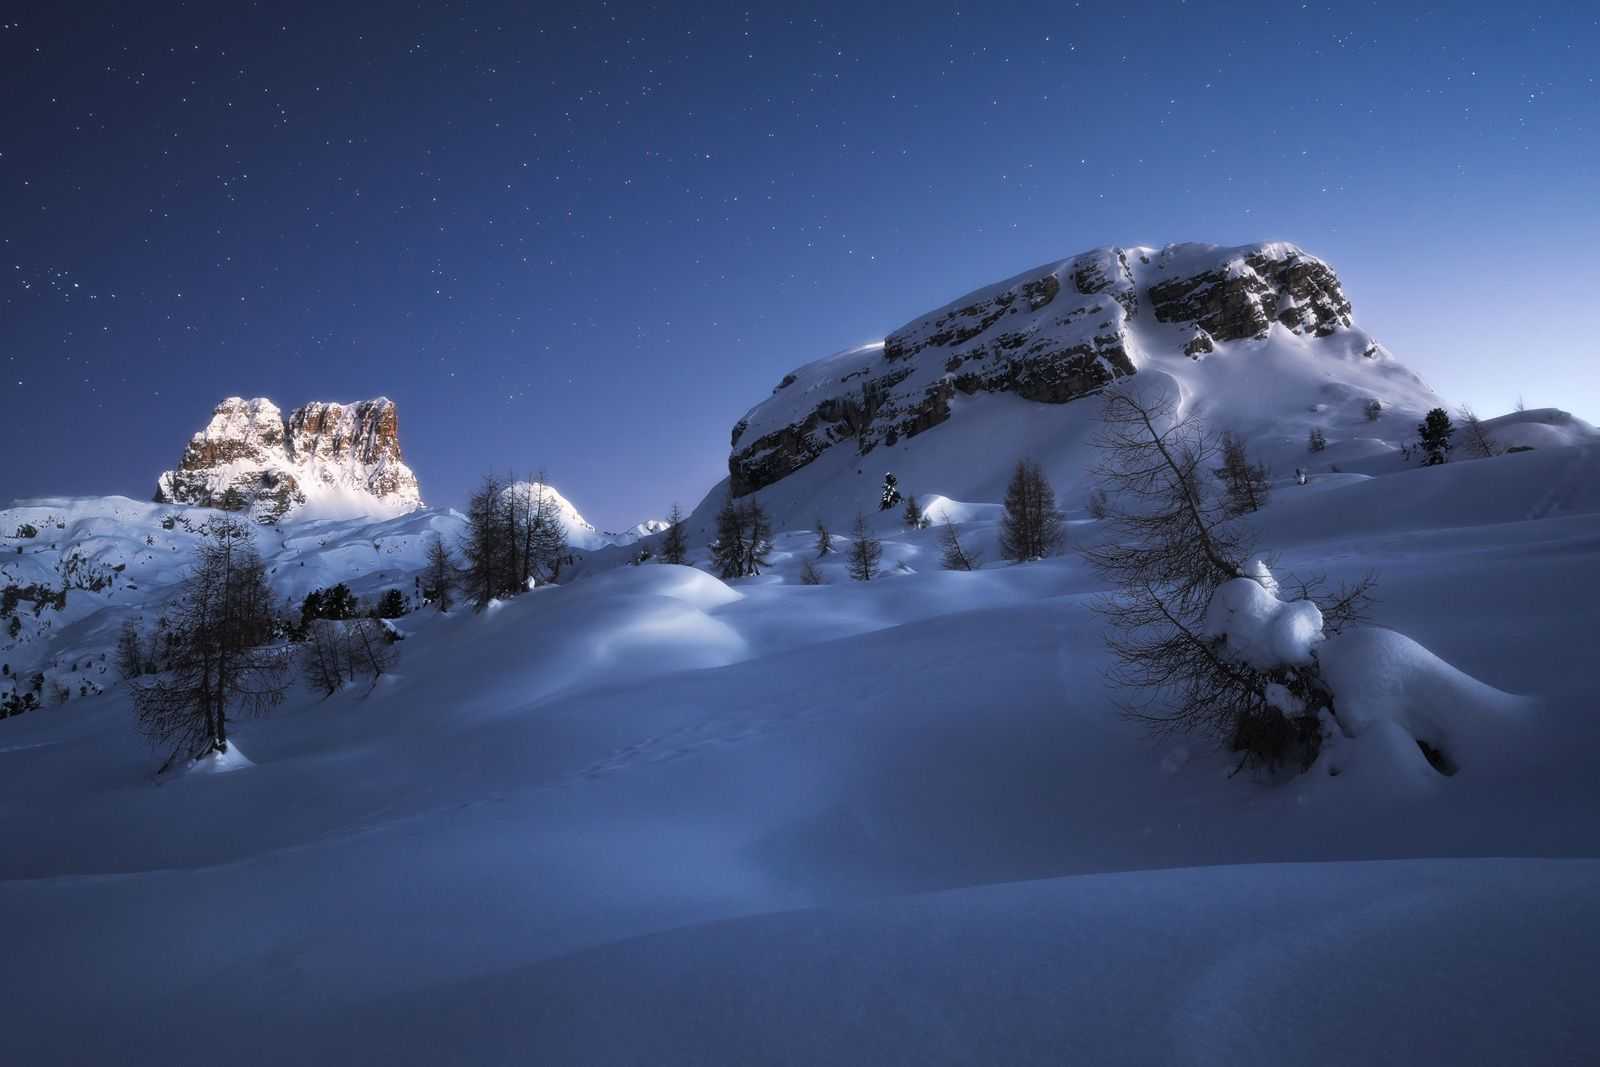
x=1052 y=335
x=325 y=461
x=581 y=533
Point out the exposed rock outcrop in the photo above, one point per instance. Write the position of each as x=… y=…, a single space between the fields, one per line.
x=1050 y=335
x=344 y=457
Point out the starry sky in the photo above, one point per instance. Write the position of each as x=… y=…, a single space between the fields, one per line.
x=587 y=237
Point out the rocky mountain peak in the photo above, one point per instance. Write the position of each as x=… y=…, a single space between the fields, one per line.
x=340 y=458
x=1051 y=335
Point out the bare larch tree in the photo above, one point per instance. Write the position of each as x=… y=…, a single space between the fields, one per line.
x=219 y=655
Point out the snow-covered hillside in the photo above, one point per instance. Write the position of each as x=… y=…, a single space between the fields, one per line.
x=1259 y=340
x=648 y=816
x=81 y=566
x=652 y=817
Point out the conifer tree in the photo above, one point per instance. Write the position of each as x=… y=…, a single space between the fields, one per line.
x=1031 y=526
x=441 y=574
x=865 y=552
x=891 y=493
x=727 y=551
x=675 y=546
x=1435 y=431
x=757 y=533
x=1246 y=484
x=913 y=513
x=1315 y=440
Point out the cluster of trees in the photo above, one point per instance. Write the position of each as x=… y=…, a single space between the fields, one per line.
x=340 y=651
x=222 y=650
x=744 y=539
x=515 y=539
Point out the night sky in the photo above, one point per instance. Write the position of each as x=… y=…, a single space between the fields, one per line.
x=588 y=237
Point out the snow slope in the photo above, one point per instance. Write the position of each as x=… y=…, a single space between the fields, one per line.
x=651 y=817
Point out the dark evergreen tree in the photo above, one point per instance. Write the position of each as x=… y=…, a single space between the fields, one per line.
x=1435 y=431
x=675 y=545
x=865 y=552
x=1315 y=440
x=891 y=493
x=392 y=604
x=232 y=499
x=1031 y=526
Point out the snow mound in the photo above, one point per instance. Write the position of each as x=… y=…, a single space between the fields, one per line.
x=219 y=762
x=937 y=508
x=1392 y=690
x=1259 y=629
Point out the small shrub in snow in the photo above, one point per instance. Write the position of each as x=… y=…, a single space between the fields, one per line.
x=809 y=575
x=27 y=529
x=1373 y=409
x=1316 y=441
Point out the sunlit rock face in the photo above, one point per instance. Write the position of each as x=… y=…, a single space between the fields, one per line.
x=336 y=458
x=1050 y=335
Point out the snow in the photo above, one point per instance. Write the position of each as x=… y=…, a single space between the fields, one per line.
x=1257 y=628
x=648 y=816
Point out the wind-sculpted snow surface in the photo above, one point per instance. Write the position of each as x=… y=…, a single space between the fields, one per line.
x=653 y=817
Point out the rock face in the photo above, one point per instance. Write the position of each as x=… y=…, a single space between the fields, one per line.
x=345 y=458
x=1051 y=335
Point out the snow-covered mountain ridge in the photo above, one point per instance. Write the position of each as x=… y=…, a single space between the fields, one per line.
x=1051 y=335
x=326 y=460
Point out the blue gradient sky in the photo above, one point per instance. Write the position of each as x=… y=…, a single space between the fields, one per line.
x=587 y=238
